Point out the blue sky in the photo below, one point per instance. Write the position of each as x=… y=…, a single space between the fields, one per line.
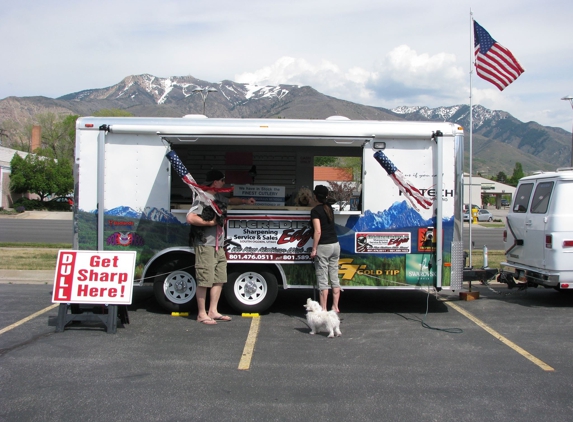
x=387 y=54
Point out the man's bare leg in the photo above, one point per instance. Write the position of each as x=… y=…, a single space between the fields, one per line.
x=202 y=315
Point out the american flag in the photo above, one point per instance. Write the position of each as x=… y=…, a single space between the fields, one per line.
x=494 y=62
x=197 y=189
x=412 y=193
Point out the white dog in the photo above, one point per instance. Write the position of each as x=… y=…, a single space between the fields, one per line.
x=320 y=320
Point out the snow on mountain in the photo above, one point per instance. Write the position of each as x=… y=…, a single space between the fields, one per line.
x=151 y=214
x=406 y=109
x=159 y=214
x=123 y=211
x=456 y=113
x=168 y=90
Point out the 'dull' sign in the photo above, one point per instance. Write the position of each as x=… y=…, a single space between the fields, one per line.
x=94 y=277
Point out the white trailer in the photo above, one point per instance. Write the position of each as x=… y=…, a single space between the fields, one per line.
x=402 y=232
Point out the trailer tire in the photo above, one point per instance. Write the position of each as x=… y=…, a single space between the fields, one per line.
x=251 y=291
x=175 y=290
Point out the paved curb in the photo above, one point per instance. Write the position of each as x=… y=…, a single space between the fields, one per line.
x=41 y=215
x=26 y=277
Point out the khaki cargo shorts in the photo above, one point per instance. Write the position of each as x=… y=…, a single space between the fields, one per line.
x=210 y=266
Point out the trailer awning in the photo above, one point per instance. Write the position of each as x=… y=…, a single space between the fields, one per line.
x=249 y=139
x=287 y=132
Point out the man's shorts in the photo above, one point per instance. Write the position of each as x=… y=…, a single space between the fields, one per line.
x=210 y=266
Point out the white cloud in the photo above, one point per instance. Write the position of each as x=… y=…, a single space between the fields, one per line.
x=401 y=76
x=326 y=77
x=376 y=53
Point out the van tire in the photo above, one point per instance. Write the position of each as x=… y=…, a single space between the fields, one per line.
x=251 y=291
x=175 y=290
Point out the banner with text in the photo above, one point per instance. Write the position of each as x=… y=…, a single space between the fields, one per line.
x=264 y=195
x=269 y=238
x=383 y=242
x=94 y=277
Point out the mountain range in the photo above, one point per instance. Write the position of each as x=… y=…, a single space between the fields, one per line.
x=499 y=139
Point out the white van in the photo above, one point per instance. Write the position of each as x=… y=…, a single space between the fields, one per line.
x=539 y=230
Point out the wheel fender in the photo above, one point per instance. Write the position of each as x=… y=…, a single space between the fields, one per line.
x=150 y=268
x=173 y=277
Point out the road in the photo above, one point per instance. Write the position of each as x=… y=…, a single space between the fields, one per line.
x=36 y=231
x=491 y=237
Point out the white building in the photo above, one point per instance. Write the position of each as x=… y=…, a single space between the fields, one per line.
x=6 y=155
x=480 y=186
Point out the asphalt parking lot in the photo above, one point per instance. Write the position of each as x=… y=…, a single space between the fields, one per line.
x=393 y=362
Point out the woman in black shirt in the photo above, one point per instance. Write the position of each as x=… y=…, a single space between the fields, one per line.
x=325 y=248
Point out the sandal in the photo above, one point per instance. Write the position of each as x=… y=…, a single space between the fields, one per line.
x=223 y=318
x=207 y=321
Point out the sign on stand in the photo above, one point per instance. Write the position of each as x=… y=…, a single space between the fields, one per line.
x=93 y=277
x=264 y=195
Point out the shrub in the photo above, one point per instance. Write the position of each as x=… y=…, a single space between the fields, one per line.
x=20 y=209
x=30 y=204
x=57 y=206
x=36 y=205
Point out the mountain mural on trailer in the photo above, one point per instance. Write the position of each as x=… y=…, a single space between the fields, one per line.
x=399 y=216
x=151 y=214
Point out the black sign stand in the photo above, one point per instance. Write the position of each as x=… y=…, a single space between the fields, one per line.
x=81 y=314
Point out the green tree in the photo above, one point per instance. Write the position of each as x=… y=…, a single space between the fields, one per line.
x=58 y=135
x=355 y=163
x=341 y=191
x=501 y=177
x=41 y=175
x=517 y=174
x=325 y=161
x=112 y=112
x=16 y=135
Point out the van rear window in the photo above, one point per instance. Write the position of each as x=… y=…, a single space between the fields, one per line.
x=522 y=197
x=540 y=200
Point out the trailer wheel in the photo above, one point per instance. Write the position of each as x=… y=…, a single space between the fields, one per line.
x=175 y=291
x=251 y=291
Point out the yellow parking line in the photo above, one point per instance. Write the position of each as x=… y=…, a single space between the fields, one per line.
x=245 y=362
x=28 y=318
x=501 y=338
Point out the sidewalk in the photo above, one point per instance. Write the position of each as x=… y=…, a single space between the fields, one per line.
x=26 y=277
x=41 y=215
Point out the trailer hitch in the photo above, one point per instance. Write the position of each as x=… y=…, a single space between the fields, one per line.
x=507 y=278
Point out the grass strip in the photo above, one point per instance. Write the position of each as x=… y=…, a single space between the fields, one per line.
x=35 y=245
x=30 y=256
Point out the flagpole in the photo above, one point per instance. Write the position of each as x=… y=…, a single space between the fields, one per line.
x=470 y=202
